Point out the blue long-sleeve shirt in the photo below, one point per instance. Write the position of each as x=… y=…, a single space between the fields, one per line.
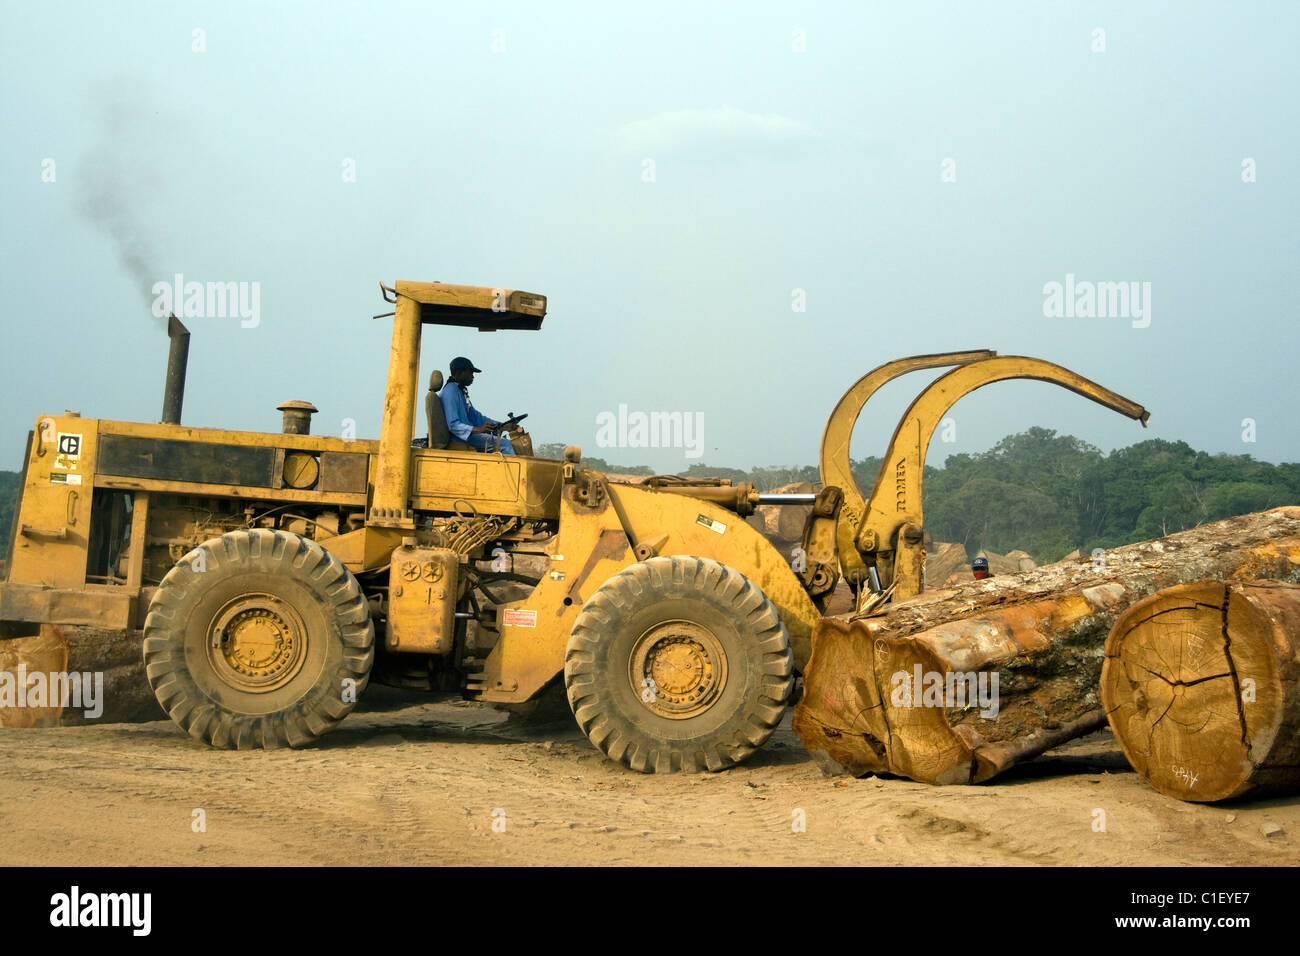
x=462 y=416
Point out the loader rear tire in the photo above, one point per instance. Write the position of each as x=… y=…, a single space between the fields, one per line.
x=258 y=638
x=678 y=664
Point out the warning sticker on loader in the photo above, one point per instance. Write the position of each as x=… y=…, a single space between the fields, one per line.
x=518 y=617
x=57 y=478
x=69 y=451
x=712 y=525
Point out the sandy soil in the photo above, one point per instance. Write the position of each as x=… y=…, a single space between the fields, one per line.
x=424 y=783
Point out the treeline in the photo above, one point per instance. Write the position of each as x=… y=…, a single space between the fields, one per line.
x=1044 y=493
x=8 y=495
x=1049 y=494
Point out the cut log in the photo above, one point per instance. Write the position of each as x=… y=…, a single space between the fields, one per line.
x=21 y=658
x=1201 y=685
x=1024 y=561
x=1040 y=633
x=946 y=559
x=111 y=686
x=783 y=524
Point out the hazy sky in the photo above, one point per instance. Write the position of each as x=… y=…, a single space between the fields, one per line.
x=920 y=171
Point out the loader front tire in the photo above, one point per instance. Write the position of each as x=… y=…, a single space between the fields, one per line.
x=258 y=638
x=678 y=664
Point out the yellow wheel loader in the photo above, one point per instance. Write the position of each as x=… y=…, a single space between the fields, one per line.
x=275 y=574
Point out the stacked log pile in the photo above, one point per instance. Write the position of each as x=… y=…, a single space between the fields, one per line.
x=943 y=560
x=783 y=524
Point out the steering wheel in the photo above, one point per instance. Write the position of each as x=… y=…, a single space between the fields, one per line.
x=496 y=430
x=510 y=422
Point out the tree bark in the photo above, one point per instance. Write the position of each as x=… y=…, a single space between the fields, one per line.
x=1041 y=633
x=1201 y=685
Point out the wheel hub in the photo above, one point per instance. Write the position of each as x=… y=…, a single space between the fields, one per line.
x=256 y=642
x=677 y=669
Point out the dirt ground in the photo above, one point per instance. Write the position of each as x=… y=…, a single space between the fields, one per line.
x=402 y=783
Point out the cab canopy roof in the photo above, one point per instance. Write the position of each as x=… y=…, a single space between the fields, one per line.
x=470 y=306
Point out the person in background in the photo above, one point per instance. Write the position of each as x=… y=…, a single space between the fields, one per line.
x=980 y=568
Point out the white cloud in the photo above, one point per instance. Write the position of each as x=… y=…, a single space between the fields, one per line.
x=722 y=130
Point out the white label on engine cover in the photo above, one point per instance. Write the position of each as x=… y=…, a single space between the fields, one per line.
x=712 y=525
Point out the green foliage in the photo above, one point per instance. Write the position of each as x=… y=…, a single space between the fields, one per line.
x=600 y=464
x=705 y=471
x=986 y=513
x=1144 y=491
x=8 y=498
x=765 y=479
x=556 y=450
x=866 y=471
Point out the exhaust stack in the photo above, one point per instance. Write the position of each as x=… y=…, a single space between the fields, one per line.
x=177 y=359
x=297 y=417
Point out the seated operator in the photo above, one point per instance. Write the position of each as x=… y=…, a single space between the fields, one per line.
x=465 y=422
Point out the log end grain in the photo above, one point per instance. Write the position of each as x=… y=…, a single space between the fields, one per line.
x=1199 y=684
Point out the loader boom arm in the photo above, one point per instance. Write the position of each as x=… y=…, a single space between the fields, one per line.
x=883 y=532
x=890 y=534
x=836 y=467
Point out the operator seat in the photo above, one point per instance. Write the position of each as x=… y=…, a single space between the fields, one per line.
x=439 y=433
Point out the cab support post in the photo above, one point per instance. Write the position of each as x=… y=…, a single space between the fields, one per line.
x=390 y=506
